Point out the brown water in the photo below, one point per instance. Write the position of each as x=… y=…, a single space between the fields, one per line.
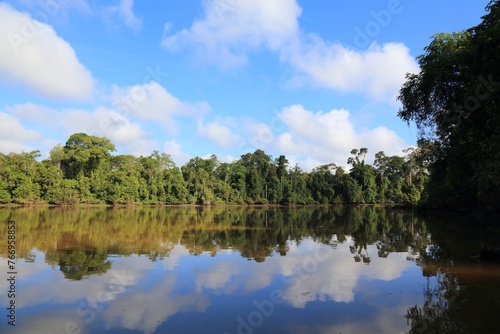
x=246 y=270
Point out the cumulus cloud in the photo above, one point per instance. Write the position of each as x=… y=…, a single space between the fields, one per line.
x=125 y=13
x=377 y=72
x=260 y=134
x=311 y=272
x=125 y=122
x=13 y=135
x=150 y=101
x=325 y=273
x=325 y=131
x=105 y=122
x=101 y=121
x=34 y=55
x=219 y=131
x=305 y=137
x=230 y=28
x=314 y=138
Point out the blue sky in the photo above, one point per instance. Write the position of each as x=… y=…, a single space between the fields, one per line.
x=308 y=79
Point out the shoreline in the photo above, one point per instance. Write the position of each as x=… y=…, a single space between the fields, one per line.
x=193 y=205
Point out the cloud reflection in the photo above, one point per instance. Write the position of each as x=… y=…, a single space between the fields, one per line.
x=140 y=295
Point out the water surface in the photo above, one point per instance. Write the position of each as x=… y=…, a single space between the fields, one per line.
x=247 y=270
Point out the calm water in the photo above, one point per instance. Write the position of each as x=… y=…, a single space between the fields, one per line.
x=247 y=270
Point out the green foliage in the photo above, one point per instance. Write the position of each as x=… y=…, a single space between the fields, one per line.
x=84 y=171
x=454 y=102
x=85 y=155
x=364 y=174
x=18 y=178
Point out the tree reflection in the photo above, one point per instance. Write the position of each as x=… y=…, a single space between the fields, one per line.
x=67 y=235
x=455 y=305
x=435 y=316
x=77 y=264
x=461 y=295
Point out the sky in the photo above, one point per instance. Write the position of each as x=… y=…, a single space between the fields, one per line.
x=307 y=79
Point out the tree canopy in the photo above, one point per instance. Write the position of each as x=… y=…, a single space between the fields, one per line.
x=454 y=101
x=84 y=170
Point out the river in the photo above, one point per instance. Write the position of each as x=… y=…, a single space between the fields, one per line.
x=332 y=269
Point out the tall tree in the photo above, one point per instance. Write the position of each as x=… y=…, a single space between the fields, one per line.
x=85 y=155
x=363 y=174
x=454 y=101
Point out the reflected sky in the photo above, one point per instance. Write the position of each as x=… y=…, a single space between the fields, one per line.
x=314 y=288
x=336 y=281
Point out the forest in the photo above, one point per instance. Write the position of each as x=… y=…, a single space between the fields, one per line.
x=84 y=170
x=454 y=102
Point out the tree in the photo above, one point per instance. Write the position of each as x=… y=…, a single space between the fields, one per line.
x=18 y=181
x=57 y=155
x=297 y=191
x=257 y=166
x=363 y=174
x=84 y=155
x=84 y=170
x=322 y=182
x=454 y=102
x=281 y=171
x=199 y=175
x=237 y=176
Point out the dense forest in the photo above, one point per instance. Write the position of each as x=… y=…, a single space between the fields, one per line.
x=84 y=170
x=454 y=101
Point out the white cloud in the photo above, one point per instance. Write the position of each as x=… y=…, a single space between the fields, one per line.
x=329 y=137
x=103 y=122
x=13 y=135
x=310 y=272
x=173 y=149
x=219 y=132
x=227 y=159
x=125 y=123
x=305 y=137
x=324 y=273
x=308 y=163
x=150 y=101
x=314 y=138
x=260 y=135
x=230 y=28
x=377 y=72
x=35 y=56
x=124 y=11
x=128 y=135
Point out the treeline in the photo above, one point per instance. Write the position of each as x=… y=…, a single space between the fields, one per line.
x=85 y=171
x=454 y=100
